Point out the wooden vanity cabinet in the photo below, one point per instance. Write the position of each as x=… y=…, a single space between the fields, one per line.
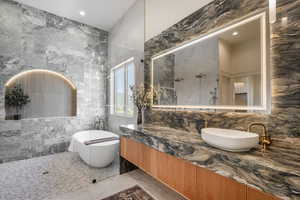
x=173 y=172
x=212 y=186
x=254 y=194
x=177 y=174
x=191 y=181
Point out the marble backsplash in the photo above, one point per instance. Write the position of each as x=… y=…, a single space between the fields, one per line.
x=284 y=121
x=34 y=39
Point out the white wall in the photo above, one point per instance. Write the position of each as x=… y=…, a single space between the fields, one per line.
x=240 y=62
x=225 y=87
x=246 y=57
x=162 y=14
x=126 y=40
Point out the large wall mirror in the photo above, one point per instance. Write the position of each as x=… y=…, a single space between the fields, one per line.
x=39 y=94
x=225 y=69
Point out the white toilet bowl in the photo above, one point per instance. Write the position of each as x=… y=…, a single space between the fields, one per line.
x=96 y=155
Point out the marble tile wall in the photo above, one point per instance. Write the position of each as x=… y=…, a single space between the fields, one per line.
x=34 y=39
x=165 y=75
x=284 y=121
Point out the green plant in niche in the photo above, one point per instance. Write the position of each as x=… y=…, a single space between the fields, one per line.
x=15 y=97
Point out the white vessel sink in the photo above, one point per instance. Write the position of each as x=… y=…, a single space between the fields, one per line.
x=230 y=140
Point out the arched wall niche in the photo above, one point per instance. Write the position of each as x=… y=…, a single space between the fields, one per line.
x=50 y=94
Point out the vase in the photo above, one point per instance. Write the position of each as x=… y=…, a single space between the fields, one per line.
x=140 y=117
x=17 y=117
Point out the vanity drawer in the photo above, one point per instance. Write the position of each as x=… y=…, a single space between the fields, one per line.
x=177 y=174
x=171 y=171
x=212 y=186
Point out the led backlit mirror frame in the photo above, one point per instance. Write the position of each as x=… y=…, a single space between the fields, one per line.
x=264 y=71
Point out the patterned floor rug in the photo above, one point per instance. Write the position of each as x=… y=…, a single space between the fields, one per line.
x=134 y=193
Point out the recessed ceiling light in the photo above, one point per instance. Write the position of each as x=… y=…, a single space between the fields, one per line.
x=235 y=33
x=82 y=13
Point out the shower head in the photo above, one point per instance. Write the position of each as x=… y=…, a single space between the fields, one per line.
x=178 y=79
x=200 y=75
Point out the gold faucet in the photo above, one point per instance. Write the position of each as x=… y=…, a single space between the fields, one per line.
x=206 y=123
x=265 y=139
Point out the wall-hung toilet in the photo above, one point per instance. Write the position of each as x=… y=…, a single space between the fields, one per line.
x=99 y=154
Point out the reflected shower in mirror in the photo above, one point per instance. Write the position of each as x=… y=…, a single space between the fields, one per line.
x=39 y=94
x=223 y=69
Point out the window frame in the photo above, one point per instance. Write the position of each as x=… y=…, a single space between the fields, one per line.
x=113 y=106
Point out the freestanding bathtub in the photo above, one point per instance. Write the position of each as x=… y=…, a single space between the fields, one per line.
x=96 y=155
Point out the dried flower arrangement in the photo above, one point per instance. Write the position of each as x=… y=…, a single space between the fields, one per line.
x=143 y=97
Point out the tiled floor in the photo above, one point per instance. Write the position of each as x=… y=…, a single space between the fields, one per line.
x=119 y=183
x=49 y=176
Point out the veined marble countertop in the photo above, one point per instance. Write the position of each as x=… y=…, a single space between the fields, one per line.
x=272 y=172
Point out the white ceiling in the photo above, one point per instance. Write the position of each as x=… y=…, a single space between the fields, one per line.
x=99 y=13
x=246 y=32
